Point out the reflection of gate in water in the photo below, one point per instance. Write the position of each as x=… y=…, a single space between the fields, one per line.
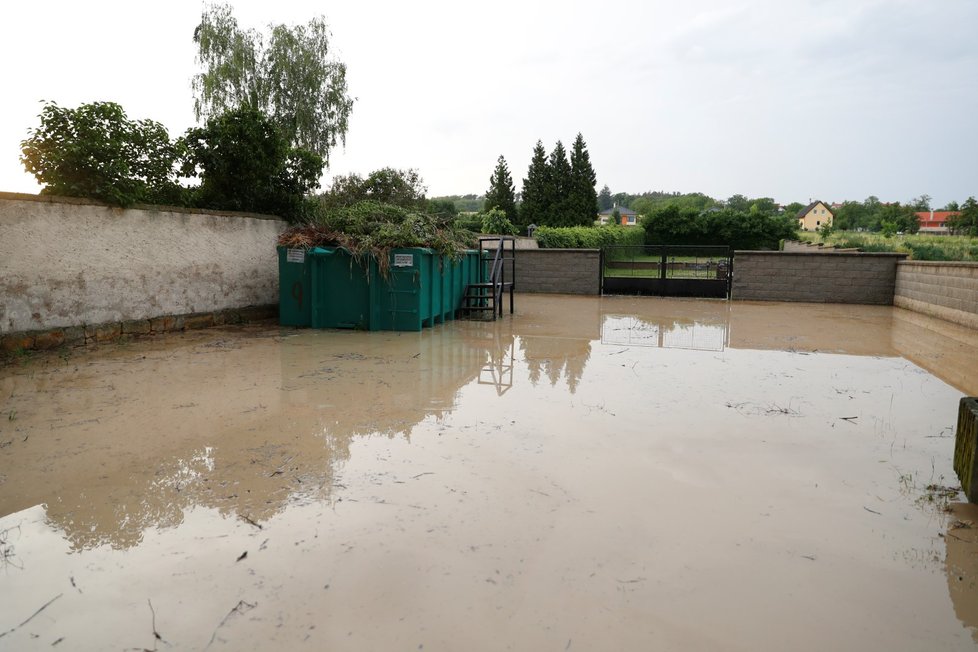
x=630 y=331
x=667 y=270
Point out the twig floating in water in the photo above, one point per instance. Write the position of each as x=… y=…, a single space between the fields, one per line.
x=156 y=634
x=240 y=608
x=32 y=616
x=872 y=511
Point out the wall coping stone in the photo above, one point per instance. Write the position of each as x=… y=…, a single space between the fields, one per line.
x=84 y=201
x=552 y=249
x=941 y=263
x=821 y=256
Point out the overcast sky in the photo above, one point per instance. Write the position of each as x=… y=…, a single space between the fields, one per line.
x=829 y=99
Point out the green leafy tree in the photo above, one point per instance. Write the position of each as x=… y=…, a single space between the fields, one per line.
x=496 y=222
x=560 y=183
x=673 y=224
x=501 y=193
x=738 y=203
x=442 y=207
x=536 y=189
x=850 y=216
x=951 y=206
x=896 y=217
x=615 y=219
x=604 y=199
x=582 y=198
x=287 y=74
x=765 y=205
x=95 y=151
x=404 y=188
x=967 y=222
x=245 y=164
x=793 y=208
x=921 y=203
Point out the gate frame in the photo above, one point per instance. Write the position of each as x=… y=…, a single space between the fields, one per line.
x=663 y=285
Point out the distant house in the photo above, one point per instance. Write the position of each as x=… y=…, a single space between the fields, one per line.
x=935 y=222
x=628 y=216
x=814 y=216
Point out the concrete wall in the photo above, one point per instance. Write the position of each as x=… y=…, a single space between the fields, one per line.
x=816 y=277
x=558 y=271
x=940 y=289
x=67 y=262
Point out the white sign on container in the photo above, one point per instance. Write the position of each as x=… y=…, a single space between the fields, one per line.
x=403 y=260
x=295 y=256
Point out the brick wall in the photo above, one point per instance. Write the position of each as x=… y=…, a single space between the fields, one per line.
x=558 y=271
x=815 y=277
x=940 y=289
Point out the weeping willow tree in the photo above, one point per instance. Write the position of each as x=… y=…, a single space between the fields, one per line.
x=286 y=73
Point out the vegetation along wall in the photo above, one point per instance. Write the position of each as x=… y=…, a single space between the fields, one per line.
x=941 y=289
x=558 y=271
x=816 y=277
x=69 y=263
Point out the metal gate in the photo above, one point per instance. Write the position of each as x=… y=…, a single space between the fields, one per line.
x=667 y=270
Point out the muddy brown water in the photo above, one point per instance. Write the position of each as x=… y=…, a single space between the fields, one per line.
x=590 y=474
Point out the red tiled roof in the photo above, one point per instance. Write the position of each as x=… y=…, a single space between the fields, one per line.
x=935 y=218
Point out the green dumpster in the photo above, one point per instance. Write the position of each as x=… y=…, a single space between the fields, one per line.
x=342 y=289
x=337 y=290
x=294 y=287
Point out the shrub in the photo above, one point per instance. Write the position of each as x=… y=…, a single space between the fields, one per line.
x=674 y=225
x=587 y=237
x=469 y=221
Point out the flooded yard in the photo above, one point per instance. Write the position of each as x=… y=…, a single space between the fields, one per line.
x=589 y=474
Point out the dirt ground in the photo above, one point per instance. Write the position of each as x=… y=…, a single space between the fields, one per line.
x=589 y=474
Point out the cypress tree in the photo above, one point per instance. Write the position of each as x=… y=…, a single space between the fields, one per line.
x=501 y=193
x=559 y=188
x=533 y=209
x=582 y=199
x=604 y=199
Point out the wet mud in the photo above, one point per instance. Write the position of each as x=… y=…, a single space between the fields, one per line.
x=590 y=473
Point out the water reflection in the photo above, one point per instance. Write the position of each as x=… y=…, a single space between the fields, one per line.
x=669 y=333
x=245 y=427
x=961 y=563
x=422 y=475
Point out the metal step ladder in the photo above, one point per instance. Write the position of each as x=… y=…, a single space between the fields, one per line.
x=484 y=300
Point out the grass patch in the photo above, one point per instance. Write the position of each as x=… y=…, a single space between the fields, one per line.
x=919 y=247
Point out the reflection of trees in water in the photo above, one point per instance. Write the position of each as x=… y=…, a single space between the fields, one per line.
x=257 y=467
x=555 y=358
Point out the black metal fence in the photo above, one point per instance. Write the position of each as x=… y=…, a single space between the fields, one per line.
x=667 y=270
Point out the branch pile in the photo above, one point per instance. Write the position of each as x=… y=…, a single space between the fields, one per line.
x=370 y=227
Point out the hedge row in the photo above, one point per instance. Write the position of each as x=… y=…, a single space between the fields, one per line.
x=587 y=237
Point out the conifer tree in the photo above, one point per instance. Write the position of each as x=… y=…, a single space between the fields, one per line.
x=533 y=210
x=559 y=187
x=582 y=198
x=605 y=201
x=501 y=193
